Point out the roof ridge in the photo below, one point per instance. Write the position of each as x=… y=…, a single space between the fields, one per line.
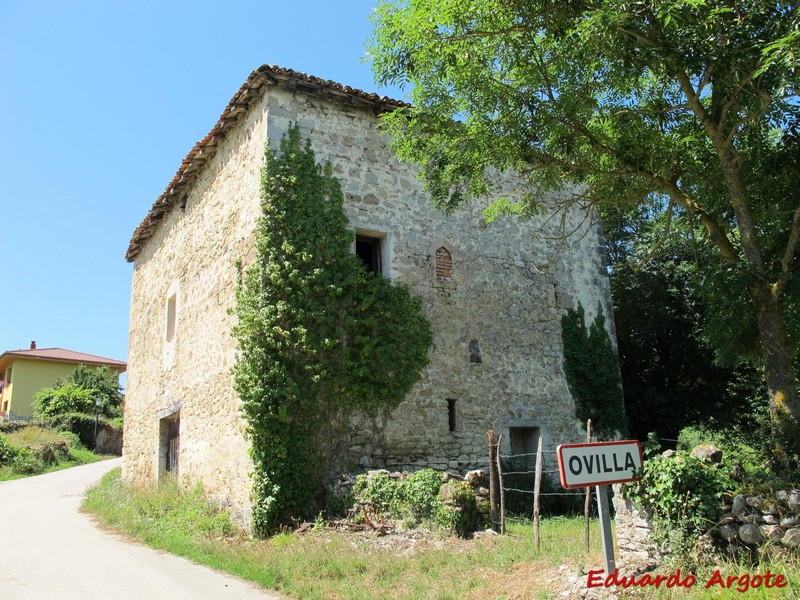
x=205 y=149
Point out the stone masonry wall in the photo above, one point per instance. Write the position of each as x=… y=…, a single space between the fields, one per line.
x=510 y=283
x=636 y=549
x=509 y=286
x=193 y=255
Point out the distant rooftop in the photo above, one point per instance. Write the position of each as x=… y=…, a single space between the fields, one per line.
x=61 y=355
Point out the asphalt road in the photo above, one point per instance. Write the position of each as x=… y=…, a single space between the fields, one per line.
x=49 y=550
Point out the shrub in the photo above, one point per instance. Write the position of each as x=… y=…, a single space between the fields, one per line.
x=423 y=496
x=101 y=382
x=67 y=398
x=458 y=509
x=7 y=451
x=683 y=496
x=735 y=445
x=80 y=424
x=73 y=440
x=27 y=463
x=420 y=492
x=77 y=394
x=780 y=445
x=379 y=491
x=46 y=446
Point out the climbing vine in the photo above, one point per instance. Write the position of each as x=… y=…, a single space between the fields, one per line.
x=591 y=366
x=319 y=337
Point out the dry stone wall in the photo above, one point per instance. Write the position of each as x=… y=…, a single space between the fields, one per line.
x=751 y=522
x=754 y=523
x=754 y=520
x=507 y=285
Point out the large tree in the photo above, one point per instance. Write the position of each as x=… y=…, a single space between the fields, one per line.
x=619 y=102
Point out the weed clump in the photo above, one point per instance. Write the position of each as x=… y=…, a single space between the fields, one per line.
x=423 y=497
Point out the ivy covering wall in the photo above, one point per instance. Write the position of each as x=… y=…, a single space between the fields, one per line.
x=319 y=337
x=591 y=366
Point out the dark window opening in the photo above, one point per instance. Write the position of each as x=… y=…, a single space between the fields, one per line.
x=524 y=444
x=368 y=250
x=170 y=445
x=475 y=352
x=452 y=415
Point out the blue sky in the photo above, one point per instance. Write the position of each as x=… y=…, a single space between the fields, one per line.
x=99 y=103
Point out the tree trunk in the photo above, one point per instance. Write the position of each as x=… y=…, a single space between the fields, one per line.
x=778 y=368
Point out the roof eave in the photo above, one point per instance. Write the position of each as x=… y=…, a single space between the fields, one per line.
x=240 y=103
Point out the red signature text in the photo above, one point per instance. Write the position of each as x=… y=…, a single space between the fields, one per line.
x=740 y=583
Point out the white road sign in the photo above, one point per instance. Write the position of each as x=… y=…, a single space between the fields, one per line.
x=602 y=463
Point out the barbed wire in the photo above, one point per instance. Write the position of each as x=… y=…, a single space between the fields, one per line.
x=544 y=471
x=581 y=494
x=486 y=468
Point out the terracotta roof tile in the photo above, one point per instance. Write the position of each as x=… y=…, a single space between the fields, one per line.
x=62 y=355
x=251 y=90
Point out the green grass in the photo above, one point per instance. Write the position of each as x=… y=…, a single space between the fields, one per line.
x=328 y=563
x=33 y=440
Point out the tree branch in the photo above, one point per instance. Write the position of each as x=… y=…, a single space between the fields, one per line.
x=734 y=95
x=787 y=262
x=718 y=234
x=663 y=237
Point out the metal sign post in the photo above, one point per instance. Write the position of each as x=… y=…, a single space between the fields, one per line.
x=600 y=464
x=605 y=527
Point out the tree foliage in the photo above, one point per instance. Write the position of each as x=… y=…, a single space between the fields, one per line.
x=664 y=318
x=691 y=102
x=77 y=393
x=319 y=336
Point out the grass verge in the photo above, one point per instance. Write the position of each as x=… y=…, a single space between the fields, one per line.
x=328 y=563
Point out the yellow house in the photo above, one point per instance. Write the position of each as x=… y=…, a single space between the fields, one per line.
x=26 y=372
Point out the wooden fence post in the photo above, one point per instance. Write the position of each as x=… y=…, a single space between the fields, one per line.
x=493 y=484
x=537 y=488
x=500 y=487
x=588 y=503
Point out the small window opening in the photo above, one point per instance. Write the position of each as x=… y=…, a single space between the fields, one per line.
x=452 y=415
x=8 y=375
x=524 y=444
x=444 y=264
x=475 y=352
x=368 y=249
x=171 y=302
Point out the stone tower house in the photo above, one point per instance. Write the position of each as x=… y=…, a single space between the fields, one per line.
x=494 y=295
